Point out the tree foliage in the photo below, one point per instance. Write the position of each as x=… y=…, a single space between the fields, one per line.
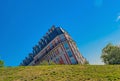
x=111 y=54
x=47 y=63
x=1 y=63
x=86 y=62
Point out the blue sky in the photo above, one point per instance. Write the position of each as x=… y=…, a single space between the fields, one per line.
x=91 y=23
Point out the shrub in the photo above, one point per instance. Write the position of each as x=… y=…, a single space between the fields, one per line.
x=1 y=63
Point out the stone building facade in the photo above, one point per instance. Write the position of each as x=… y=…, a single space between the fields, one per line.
x=56 y=46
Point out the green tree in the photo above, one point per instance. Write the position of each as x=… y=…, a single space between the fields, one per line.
x=111 y=54
x=1 y=63
x=86 y=62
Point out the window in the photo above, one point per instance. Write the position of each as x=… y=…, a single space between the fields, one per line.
x=51 y=58
x=57 y=59
x=51 y=45
x=60 y=50
x=66 y=46
x=70 y=53
x=54 y=55
x=62 y=37
x=56 y=41
x=57 y=51
x=73 y=61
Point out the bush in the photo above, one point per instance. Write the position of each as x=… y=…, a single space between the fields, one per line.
x=44 y=63
x=1 y=63
x=47 y=63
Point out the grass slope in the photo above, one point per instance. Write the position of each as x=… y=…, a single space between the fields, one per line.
x=61 y=73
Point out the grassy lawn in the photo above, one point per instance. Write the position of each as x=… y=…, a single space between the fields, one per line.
x=61 y=73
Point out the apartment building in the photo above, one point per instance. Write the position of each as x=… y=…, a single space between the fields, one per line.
x=56 y=46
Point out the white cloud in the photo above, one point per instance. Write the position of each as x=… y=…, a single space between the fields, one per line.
x=118 y=18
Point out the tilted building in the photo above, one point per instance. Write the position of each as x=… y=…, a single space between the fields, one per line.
x=56 y=46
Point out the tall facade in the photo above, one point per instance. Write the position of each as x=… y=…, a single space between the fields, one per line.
x=56 y=46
